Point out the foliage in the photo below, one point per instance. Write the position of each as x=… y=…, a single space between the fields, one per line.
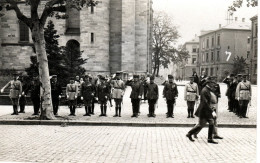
x=239 y=65
x=238 y=3
x=165 y=35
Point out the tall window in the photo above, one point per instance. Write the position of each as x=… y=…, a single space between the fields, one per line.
x=255 y=48
x=92 y=9
x=248 y=54
x=203 y=44
x=211 y=71
x=207 y=71
x=203 y=57
x=212 y=56
x=194 y=50
x=207 y=57
x=207 y=43
x=92 y=38
x=212 y=41
x=218 y=42
x=248 y=40
x=218 y=56
x=24 y=32
x=193 y=60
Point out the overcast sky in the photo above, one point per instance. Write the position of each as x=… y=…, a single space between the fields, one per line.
x=192 y=16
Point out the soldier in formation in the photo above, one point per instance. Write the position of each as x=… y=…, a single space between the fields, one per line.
x=87 y=92
x=72 y=94
x=103 y=91
x=152 y=96
x=136 y=94
x=35 y=89
x=56 y=92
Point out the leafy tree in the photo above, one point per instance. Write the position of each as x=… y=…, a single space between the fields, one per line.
x=36 y=23
x=238 y=3
x=239 y=65
x=165 y=35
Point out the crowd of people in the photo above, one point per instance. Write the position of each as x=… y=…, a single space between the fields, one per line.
x=88 y=90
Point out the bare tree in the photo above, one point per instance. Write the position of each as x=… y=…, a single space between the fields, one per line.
x=36 y=24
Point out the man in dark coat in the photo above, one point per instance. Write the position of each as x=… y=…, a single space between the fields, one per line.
x=103 y=92
x=35 y=87
x=170 y=92
x=136 y=94
x=229 y=80
x=205 y=113
x=152 y=96
x=202 y=81
x=22 y=100
x=56 y=92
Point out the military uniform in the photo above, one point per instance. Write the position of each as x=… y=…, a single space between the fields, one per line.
x=152 y=96
x=15 y=92
x=191 y=94
x=87 y=90
x=35 y=87
x=22 y=100
x=170 y=92
x=118 y=89
x=72 y=93
x=229 y=81
x=103 y=91
x=94 y=82
x=136 y=94
x=56 y=92
x=243 y=95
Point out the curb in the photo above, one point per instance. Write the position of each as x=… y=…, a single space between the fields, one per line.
x=126 y=124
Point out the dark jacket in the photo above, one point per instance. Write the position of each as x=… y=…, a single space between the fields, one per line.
x=103 y=91
x=56 y=90
x=35 y=87
x=152 y=91
x=137 y=90
x=232 y=89
x=170 y=91
x=87 y=90
x=204 y=110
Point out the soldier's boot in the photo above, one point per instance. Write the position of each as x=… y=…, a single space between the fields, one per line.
x=191 y=113
x=21 y=109
x=153 y=115
x=194 y=130
x=101 y=108
x=89 y=110
x=71 y=111
x=210 y=133
x=16 y=110
x=92 y=109
x=86 y=110
x=119 y=109
x=150 y=112
x=13 y=110
x=105 y=110
x=116 y=110
x=188 y=113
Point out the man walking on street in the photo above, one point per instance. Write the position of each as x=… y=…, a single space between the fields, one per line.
x=243 y=95
x=152 y=96
x=170 y=92
x=72 y=93
x=136 y=94
x=191 y=95
x=15 y=92
x=205 y=112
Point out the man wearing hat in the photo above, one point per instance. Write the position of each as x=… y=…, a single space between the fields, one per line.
x=136 y=94
x=118 y=89
x=15 y=92
x=94 y=83
x=236 y=107
x=152 y=96
x=87 y=92
x=243 y=95
x=170 y=92
x=229 y=80
x=22 y=100
x=71 y=94
x=205 y=112
x=202 y=80
x=191 y=94
x=78 y=100
x=56 y=92
x=35 y=87
x=103 y=92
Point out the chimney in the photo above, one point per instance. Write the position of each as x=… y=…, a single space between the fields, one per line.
x=235 y=18
x=219 y=25
x=243 y=19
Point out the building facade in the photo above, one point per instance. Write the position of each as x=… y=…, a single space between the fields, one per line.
x=219 y=47
x=190 y=65
x=114 y=35
x=254 y=50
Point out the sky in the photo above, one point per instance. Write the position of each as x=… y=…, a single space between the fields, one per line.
x=192 y=16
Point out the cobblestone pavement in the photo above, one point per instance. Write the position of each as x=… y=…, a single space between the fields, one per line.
x=123 y=144
x=180 y=111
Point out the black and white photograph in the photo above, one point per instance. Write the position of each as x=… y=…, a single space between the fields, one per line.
x=129 y=81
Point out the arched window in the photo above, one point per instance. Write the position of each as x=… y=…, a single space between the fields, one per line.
x=24 y=32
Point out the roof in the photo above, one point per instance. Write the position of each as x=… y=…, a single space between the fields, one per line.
x=194 y=40
x=235 y=26
x=254 y=17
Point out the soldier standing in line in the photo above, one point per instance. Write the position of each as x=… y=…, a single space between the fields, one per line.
x=152 y=96
x=191 y=94
x=87 y=92
x=56 y=92
x=170 y=92
x=94 y=83
x=35 y=87
x=78 y=100
x=15 y=92
x=22 y=100
x=205 y=112
x=136 y=94
x=243 y=95
x=72 y=94
x=103 y=91
x=118 y=89
x=145 y=86
x=229 y=80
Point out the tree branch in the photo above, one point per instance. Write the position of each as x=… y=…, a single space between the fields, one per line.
x=34 y=9
x=19 y=14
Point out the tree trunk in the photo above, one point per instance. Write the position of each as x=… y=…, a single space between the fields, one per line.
x=157 y=70
x=39 y=43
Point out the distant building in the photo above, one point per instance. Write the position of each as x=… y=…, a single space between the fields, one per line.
x=253 y=54
x=115 y=35
x=219 y=47
x=190 y=65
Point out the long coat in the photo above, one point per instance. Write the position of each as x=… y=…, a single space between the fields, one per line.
x=170 y=91
x=87 y=90
x=103 y=91
x=56 y=90
x=152 y=91
x=204 y=110
x=137 y=90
